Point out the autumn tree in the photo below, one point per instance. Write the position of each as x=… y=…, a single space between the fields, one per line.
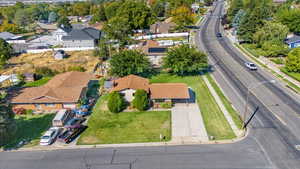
x=183 y=17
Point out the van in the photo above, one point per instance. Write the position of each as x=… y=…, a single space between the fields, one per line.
x=62 y=117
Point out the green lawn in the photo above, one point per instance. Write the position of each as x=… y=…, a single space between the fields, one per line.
x=234 y=114
x=37 y=83
x=105 y=127
x=214 y=119
x=31 y=128
x=294 y=75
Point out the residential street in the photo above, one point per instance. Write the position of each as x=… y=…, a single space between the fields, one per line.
x=270 y=143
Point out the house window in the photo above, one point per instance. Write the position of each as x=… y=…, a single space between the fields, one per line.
x=50 y=105
x=38 y=106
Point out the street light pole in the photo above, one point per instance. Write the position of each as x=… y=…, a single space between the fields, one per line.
x=249 y=88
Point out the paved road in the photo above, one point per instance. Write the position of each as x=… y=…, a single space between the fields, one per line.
x=270 y=143
x=276 y=127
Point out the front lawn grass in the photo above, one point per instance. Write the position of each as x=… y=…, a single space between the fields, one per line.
x=30 y=128
x=105 y=127
x=214 y=119
x=37 y=83
x=234 y=114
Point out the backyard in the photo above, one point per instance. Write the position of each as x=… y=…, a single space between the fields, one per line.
x=215 y=122
x=105 y=127
x=30 y=128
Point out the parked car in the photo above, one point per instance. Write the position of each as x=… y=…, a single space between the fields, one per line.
x=251 y=66
x=62 y=117
x=74 y=123
x=70 y=134
x=50 y=136
x=219 y=35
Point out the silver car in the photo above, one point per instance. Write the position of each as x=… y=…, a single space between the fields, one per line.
x=251 y=66
x=50 y=136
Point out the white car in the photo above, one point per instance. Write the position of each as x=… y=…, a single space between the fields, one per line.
x=50 y=136
x=251 y=66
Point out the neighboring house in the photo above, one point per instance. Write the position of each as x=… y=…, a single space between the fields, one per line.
x=59 y=33
x=11 y=38
x=153 y=50
x=59 y=54
x=62 y=91
x=162 y=27
x=293 y=41
x=9 y=80
x=158 y=92
x=86 y=37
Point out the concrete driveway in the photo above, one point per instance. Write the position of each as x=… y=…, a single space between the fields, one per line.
x=187 y=123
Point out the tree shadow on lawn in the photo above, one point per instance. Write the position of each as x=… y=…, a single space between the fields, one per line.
x=29 y=128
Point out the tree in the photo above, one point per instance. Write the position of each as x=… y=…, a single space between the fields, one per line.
x=9 y=27
x=290 y=18
x=64 y=23
x=115 y=102
x=102 y=51
x=293 y=61
x=274 y=49
x=129 y=62
x=117 y=28
x=236 y=21
x=5 y=51
x=98 y=14
x=271 y=31
x=111 y=9
x=234 y=8
x=52 y=17
x=140 y=100
x=22 y=18
x=182 y=16
x=7 y=124
x=158 y=8
x=137 y=14
x=81 y=8
x=185 y=59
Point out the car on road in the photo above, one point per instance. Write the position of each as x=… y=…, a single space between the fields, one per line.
x=74 y=123
x=219 y=35
x=50 y=136
x=68 y=135
x=251 y=66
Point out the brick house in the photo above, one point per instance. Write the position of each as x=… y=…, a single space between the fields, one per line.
x=62 y=91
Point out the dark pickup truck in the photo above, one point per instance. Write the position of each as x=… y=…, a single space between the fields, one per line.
x=69 y=135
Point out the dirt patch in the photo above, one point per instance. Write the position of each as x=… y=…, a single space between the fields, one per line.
x=26 y=63
x=90 y=140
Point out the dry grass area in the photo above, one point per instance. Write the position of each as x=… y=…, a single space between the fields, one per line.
x=26 y=63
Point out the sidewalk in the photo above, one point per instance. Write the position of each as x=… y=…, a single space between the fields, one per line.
x=269 y=64
x=227 y=115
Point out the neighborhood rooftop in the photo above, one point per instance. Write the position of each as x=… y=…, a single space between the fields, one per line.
x=131 y=82
x=63 y=88
x=169 y=91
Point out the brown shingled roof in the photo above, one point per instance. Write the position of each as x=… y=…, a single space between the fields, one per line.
x=169 y=91
x=63 y=88
x=131 y=82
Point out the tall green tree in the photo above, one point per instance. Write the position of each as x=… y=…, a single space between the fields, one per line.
x=7 y=123
x=185 y=59
x=234 y=8
x=129 y=62
x=140 y=100
x=117 y=28
x=5 y=52
x=64 y=23
x=291 y=18
x=115 y=102
x=293 y=61
x=52 y=17
x=112 y=8
x=99 y=14
x=22 y=18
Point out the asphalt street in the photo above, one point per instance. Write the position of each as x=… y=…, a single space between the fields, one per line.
x=270 y=144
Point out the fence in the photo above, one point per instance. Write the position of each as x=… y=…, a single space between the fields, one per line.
x=55 y=49
x=163 y=35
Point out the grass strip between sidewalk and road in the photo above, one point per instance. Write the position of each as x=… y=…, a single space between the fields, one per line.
x=234 y=114
x=105 y=127
x=215 y=122
x=289 y=84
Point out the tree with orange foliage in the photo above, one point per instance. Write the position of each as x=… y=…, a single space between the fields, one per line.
x=183 y=16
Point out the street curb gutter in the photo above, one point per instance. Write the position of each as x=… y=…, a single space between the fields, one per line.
x=152 y=144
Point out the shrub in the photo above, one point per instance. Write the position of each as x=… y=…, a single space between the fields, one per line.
x=76 y=68
x=29 y=112
x=116 y=102
x=140 y=100
x=293 y=61
x=44 y=71
x=166 y=105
